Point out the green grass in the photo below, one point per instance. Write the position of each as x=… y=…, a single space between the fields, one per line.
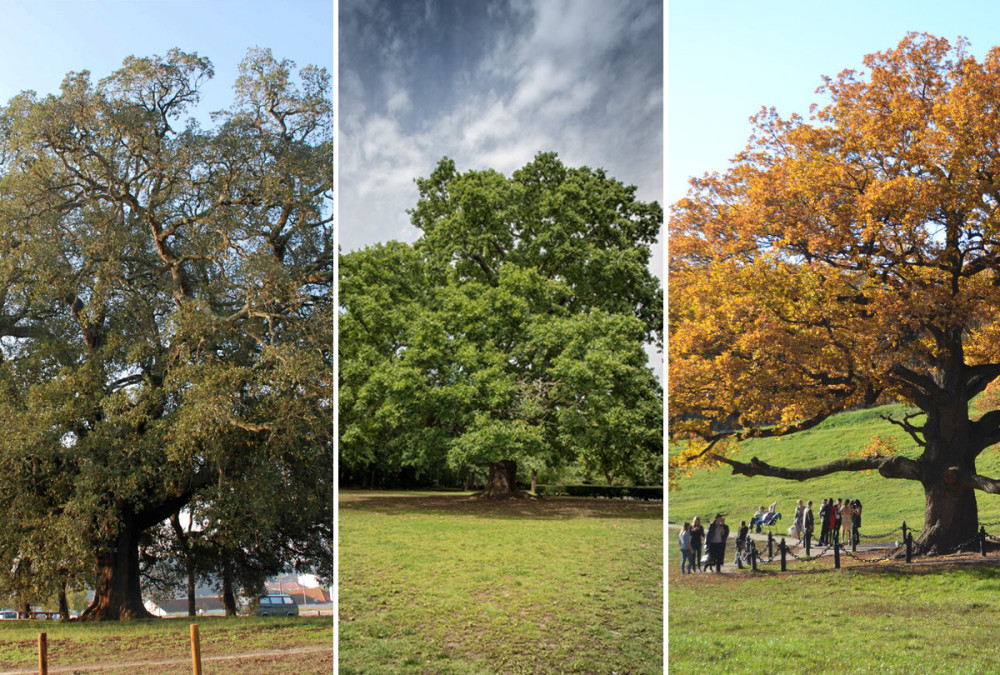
x=79 y=644
x=886 y=502
x=446 y=584
x=871 y=619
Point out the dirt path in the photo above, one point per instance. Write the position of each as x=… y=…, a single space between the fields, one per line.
x=95 y=667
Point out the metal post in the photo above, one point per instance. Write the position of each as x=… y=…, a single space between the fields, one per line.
x=753 y=558
x=43 y=654
x=195 y=650
x=808 y=537
x=741 y=551
x=982 y=540
x=770 y=545
x=909 y=546
x=783 y=549
x=904 y=530
x=836 y=552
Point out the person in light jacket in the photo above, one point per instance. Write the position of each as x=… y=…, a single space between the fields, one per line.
x=687 y=554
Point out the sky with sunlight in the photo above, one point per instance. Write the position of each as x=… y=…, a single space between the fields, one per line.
x=729 y=58
x=43 y=40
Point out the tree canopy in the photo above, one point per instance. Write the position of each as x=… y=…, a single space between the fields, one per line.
x=848 y=259
x=513 y=329
x=165 y=312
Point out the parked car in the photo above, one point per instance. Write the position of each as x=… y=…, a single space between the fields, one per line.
x=8 y=614
x=277 y=605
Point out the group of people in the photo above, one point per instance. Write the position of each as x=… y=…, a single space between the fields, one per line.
x=693 y=535
x=839 y=520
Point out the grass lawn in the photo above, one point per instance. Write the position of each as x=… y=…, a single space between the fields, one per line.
x=449 y=584
x=882 y=618
x=84 y=644
x=860 y=619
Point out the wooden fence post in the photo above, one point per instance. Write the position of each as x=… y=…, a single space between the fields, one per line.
x=783 y=549
x=836 y=552
x=195 y=650
x=982 y=540
x=770 y=545
x=808 y=537
x=909 y=546
x=43 y=655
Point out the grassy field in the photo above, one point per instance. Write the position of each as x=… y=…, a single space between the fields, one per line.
x=883 y=618
x=886 y=502
x=448 y=584
x=859 y=619
x=83 y=646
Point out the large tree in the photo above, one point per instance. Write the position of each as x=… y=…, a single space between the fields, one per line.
x=849 y=259
x=166 y=303
x=511 y=332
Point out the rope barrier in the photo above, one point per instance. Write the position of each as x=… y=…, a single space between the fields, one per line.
x=748 y=549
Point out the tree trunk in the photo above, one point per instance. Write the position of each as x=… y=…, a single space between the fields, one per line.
x=118 y=594
x=228 y=597
x=501 y=484
x=192 y=590
x=468 y=480
x=534 y=481
x=951 y=516
x=63 y=604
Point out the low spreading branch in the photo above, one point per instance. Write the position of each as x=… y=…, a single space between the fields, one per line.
x=888 y=466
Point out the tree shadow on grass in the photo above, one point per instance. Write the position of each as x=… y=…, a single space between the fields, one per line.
x=550 y=508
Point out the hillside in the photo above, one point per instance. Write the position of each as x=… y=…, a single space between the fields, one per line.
x=886 y=502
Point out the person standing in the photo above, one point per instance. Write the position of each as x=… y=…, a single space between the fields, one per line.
x=742 y=536
x=835 y=521
x=797 y=525
x=824 y=523
x=697 y=536
x=718 y=532
x=846 y=520
x=807 y=521
x=687 y=555
x=856 y=520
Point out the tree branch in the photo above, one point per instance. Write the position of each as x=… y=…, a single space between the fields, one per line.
x=889 y=467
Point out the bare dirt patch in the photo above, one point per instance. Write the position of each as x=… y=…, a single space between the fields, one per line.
x=559 y=508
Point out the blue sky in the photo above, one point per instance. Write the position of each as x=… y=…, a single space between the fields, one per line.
x=490 y=84
x=42 y=40
x=728 y=58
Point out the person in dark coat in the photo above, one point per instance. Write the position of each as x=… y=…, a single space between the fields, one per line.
x=718 y=533
x=824 y=523
x=742 y=535
x=697 y=535
x=807 y=521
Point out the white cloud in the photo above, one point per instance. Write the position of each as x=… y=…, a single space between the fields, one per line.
x=571 y=82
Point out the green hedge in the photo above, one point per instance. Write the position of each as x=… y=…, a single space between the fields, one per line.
x=646 y=493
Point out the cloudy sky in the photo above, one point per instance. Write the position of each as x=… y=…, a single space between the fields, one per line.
x=490 y=84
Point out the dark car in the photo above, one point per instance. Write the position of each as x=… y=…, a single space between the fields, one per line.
x=277 y=605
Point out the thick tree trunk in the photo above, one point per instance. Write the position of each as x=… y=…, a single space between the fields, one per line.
x=228 y=597
x=63 y=604
x=501 y=484
x=951 y=516
x=118 y=594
